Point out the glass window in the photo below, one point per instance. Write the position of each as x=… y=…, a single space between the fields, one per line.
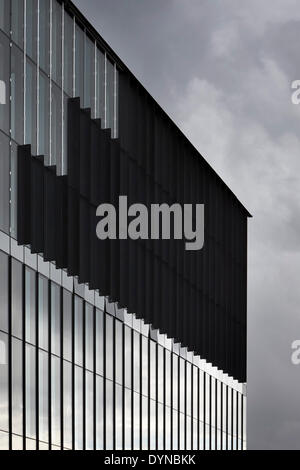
x=213 y=401
x=109 y=414
x=239 y=415
x=224 y=411
x=181 y=431
x=17 y=95
x=4 y=78
x=244 y=419
x=30 y=371
x=195 y=434
x=127 y=419
x=219 y=404
x=145 y=423
x=109 y=347
x=152 y=370
x=89 y=337
x=119 y=420
x=128 y=357
x=4 y=182
x=4 y=441
x=175 y=381
x=160 y=373
x=55 y=320
x=234 y=413
x=5 y=15
x=136 y=423
x=188 y=389
x=182 y=385
x=44 y=117
x=160 y=426
x=99 y=413
x=30 y=106
x=79 y=61
x=168 y=428
x=207 y=399
x=43 y=313
x=188 y=444
x=56 y=74
x=78 y=418
x=56 y=128
x=17 y=386
x=17 y=21
x=116 y=110
x=168 y=377
x=55 y=400
x=3 y=292
x=213 y=438
x=43 y=396
x=31 y=28
x=89 y=75
x=4 y=381
x=145 y=369
x=44 y=36
x=195 y=392
x=229 y=417
x=67 y=325
x=68 y=54
x=89 y=410
x=109 y=95
x=30 y=310
x=119 y=352
x=17 y=299
x=67 y=407
x=175 y=430
x=99 y=342
x=153 y=425
x=201 y=395
x=100 y=86
x=78 y=320
x=136 y=361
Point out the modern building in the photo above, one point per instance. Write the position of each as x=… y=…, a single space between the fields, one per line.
x=115 y=344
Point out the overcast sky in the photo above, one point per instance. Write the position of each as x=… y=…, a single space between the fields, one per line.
x=222 y=70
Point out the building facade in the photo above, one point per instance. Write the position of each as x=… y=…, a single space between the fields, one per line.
x=86 y=363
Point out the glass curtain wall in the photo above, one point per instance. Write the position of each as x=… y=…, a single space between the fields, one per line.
x=46 y=57
x=82 y=378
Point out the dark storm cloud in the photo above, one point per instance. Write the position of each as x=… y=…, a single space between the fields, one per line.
x=223 y=71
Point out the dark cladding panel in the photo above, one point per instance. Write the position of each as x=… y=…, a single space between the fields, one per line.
x=196 y=297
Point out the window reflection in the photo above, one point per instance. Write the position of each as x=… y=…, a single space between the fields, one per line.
x=30 y=381
x=109 y=415
x=30 y=311
x=99 y=413
x=55 y=320
x=89 y=411
x=43 y=396
x=89 y=337
x=17 y=388
x=55 y=401
x=67 y=404
x=109 y=347
x=78 y=417
x=3 y=291
x=4 y=382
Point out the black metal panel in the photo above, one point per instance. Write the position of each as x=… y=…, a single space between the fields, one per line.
x=196 y=297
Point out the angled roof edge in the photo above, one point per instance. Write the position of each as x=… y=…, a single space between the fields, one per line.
x=123 y=67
